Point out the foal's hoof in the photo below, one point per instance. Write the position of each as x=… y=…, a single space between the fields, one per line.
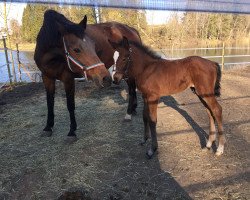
x=209 y=144
x=219 y=151
x=127 y=118
x=70 y=139
x=47 y=132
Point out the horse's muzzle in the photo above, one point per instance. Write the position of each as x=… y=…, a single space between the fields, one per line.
x=107 y=81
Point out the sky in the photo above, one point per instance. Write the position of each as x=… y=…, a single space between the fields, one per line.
x=15 y=11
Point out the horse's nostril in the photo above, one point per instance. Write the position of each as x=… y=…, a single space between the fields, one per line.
x=107 y=80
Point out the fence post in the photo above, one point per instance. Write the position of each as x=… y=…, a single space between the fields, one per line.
x=223 y=56
x=19 y=63
x=7 y=59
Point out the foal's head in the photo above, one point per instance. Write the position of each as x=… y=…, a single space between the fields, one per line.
x=124 y=60
x=82 y=55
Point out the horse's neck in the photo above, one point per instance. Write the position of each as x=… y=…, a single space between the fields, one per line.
x=141 y=61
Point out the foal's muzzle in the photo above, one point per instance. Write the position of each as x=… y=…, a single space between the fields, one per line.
x=117 y=78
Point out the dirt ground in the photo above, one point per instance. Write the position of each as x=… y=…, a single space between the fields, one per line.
x=107 y=163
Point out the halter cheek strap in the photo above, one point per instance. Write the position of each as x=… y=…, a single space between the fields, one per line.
x=76 y=62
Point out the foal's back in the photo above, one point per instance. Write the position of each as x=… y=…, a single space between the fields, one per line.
x=172 y=76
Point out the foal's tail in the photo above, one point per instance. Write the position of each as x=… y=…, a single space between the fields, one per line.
x=218 y=79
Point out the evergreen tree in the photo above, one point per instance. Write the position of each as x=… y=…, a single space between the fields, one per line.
x=32 y=21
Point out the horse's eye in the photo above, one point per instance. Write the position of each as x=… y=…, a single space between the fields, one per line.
x=77 y=50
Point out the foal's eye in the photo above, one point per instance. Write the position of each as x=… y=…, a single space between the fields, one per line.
x=77 y=50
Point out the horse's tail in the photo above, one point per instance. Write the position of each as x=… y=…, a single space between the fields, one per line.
x=217 y=82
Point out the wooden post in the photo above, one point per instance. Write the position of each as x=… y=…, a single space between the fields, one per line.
x=19 y=63
x=9 y=43
x=7 y=59
x=223 y=57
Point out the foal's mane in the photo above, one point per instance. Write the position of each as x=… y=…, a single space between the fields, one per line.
x=146 y=49
x=50 y=35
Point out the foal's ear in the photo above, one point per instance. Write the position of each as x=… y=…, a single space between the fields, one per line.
x=83 y=23
x=125 y=43
x=113 y=44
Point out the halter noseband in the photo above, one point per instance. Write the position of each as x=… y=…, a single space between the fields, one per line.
x=124 y=72
x=83 y=67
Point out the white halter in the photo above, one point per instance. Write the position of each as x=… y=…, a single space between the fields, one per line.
x=83 y=67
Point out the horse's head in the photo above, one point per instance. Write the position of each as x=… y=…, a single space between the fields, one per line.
x=81 y=55
x=124 y=60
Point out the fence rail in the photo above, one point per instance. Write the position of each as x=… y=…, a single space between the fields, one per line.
x=222 y=56
x=35 y=76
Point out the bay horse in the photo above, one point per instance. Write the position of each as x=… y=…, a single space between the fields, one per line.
x=156 y=77
x=66 y=50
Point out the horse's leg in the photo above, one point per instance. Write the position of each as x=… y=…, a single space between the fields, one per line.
x=50 y=93
x=212 y=135
x=217 y=113
x=132 y=103
x=146 y=123
x=152 y=104
x=69 y=85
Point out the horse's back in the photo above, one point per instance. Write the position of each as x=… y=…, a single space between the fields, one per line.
x=100 y=34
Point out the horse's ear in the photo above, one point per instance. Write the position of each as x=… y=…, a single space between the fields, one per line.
x=113 y=33
x=113 y=44
x=61 y=28
x=125 y=43
x=83 y=23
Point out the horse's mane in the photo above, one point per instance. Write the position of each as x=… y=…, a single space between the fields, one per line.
x=145 y=49
x=49 y=35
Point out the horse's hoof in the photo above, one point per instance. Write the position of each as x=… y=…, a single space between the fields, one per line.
x=127 y=118
x=143 y=142
x=46 y=133
x=70 y=139
x=149 y=153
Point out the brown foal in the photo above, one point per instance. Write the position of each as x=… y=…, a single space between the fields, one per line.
x=156 y=77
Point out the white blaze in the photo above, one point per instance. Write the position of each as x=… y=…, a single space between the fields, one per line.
x=115 y=57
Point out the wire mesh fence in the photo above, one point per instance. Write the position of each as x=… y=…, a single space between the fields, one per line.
x=27 y=71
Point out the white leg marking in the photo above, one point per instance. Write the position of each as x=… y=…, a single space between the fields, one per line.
x=209 y=144
x=128 y=117
x=210 y=140
x=220 y=150
x=150 y=152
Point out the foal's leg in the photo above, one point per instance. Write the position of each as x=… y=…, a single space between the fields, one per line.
x=50 y=94
x=69 y=85
x=152 y=104
x=212 y=135
x=217 y=113
x=146 y=123
x=132 y=103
